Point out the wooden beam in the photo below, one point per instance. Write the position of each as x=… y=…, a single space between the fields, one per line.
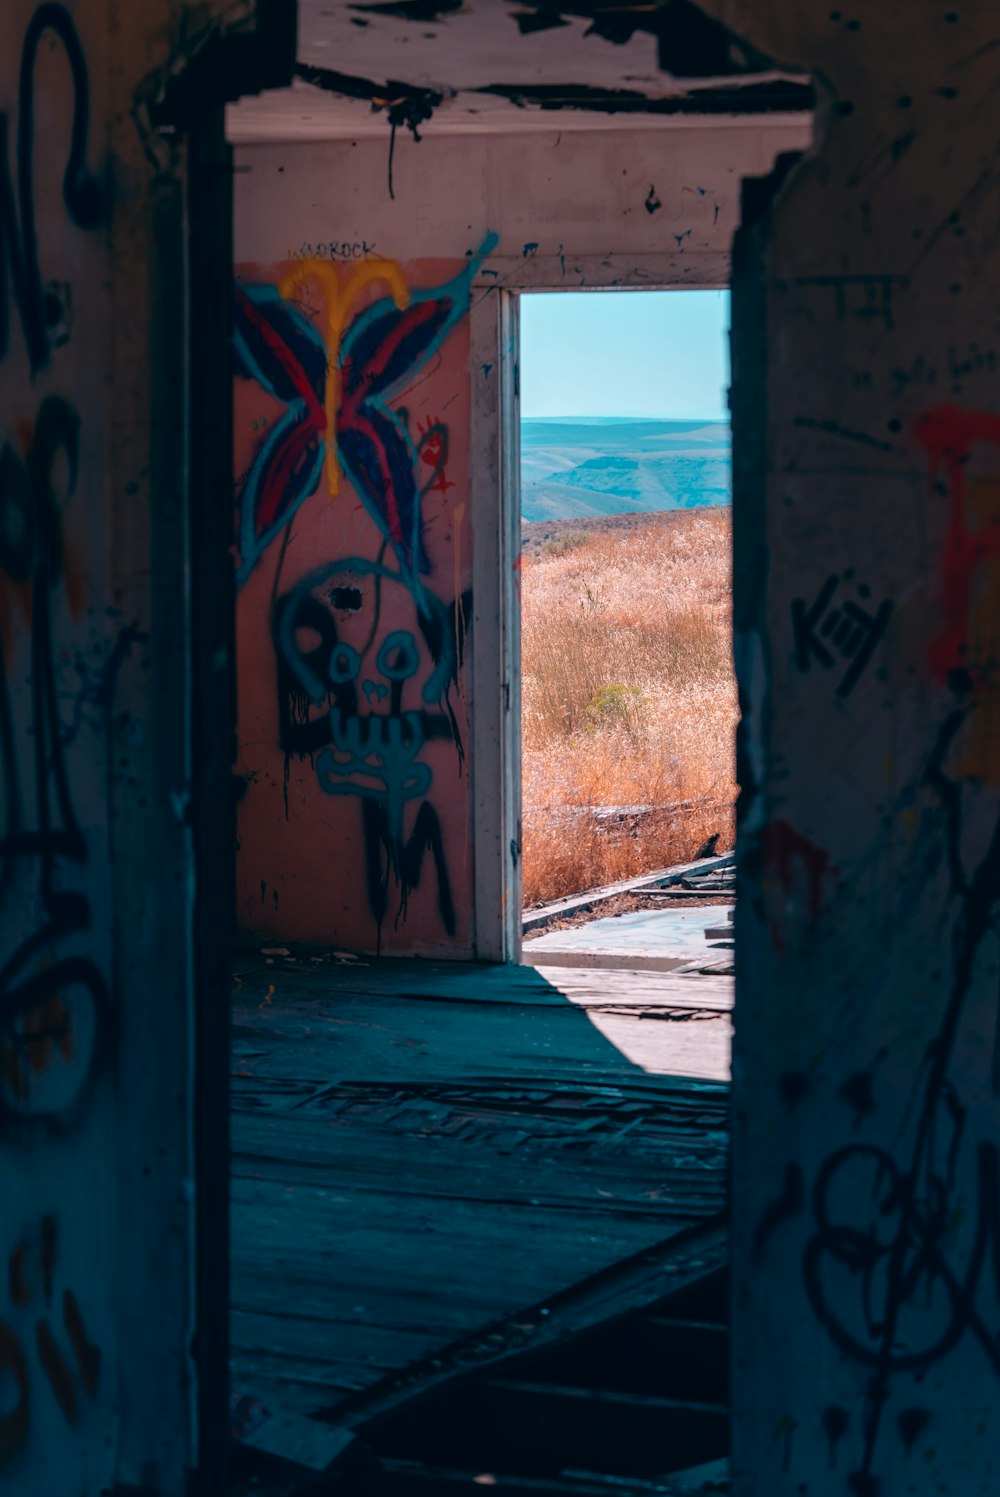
x=576 y=903
x=632 y=1284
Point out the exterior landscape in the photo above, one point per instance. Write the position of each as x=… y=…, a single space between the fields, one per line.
x=629 y=703
x=572 y=468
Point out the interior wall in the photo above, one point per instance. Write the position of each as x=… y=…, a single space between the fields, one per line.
x=866 y=1173
x=360 y=485
x=99 y=1363
x=56 y=1101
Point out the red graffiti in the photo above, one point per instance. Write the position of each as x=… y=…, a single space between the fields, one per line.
x=433 y=449
x=26 y=1056
x=781 y=848
x=948 y=433
x=31 y=1269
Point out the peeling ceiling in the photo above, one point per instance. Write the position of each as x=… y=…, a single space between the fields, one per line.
x=365 y=66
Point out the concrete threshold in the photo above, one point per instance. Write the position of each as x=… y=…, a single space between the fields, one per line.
x=618 y=961
x=641 y=940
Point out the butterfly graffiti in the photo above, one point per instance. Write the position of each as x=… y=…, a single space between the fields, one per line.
x=335 y=374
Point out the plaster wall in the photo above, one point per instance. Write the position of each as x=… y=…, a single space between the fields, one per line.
x=56 y=639
x=98 y=1181
x=353 y=318
x=866 y=409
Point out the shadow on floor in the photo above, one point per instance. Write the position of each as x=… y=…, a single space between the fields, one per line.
x=423 y=1151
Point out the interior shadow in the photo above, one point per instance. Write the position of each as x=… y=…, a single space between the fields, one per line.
x=427 y=1154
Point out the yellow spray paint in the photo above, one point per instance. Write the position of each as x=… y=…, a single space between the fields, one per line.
x=338 y=298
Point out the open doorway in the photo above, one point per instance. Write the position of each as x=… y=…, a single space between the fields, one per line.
x=628 y=695
x=377 y=1086
x=434 y=1144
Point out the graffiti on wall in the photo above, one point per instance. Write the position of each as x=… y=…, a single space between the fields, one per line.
x=53 y=1002
x=833 y=630
x=68 y=1362
x=41 y=307
x=364 y=703
x=368 y=649
x=335 y=377
x=965 y=649
x=54 y=998
x=902 y=1261
x=904 y=1256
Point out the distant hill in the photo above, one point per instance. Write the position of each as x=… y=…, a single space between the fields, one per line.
x=575 y=468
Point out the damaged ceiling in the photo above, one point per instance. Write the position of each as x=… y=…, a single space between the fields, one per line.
x=365 y=66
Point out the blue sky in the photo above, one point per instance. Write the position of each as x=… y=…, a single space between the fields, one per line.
x=625 y=353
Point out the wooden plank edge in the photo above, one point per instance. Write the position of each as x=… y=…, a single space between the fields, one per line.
x=631 y=1284
x=578 y=903
x=306 y=1457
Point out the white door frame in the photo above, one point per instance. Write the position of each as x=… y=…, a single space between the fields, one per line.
x=494 y=361
x=496 y=628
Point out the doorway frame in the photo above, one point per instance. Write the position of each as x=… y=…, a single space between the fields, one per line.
x=495 y=473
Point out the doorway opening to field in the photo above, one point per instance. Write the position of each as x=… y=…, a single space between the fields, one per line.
x=628 y=694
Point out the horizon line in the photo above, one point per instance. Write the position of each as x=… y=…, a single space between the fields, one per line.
x=625 y=418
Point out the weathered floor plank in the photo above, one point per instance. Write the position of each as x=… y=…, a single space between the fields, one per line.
x=419 y=1151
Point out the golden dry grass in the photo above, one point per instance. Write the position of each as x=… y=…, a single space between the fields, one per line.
x=628 y=698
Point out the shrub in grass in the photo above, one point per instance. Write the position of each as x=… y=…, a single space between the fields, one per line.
x=616 y=707
x=561 y=545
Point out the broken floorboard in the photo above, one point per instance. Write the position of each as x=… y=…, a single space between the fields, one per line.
x=614 y=1297
x=420 y=1151
x=410 y=1479
x=627 y=1397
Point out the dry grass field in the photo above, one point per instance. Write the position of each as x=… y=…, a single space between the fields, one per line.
x=628 y=696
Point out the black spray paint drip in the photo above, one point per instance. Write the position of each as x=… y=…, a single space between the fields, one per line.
x=787 y=1205
x=911 y=1424
x=835 y=1423
x=404 y=103
x=387 y=855
x=858 y=1091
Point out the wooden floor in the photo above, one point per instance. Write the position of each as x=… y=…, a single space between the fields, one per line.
x=421 y=1151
